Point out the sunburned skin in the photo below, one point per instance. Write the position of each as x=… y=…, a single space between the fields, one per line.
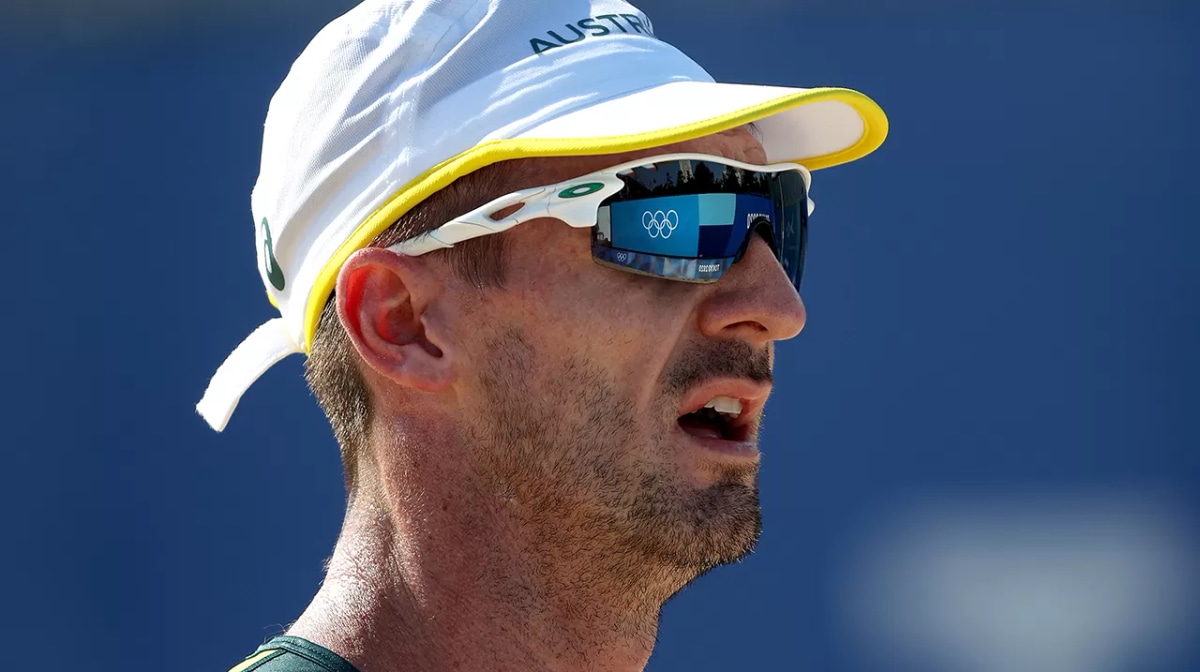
x=536 y=493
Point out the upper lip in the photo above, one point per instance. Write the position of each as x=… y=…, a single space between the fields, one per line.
x=752 y=395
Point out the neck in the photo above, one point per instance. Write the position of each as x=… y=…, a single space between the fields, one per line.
x=438 y=573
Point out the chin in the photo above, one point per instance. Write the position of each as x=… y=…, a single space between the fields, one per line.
x=698 y=530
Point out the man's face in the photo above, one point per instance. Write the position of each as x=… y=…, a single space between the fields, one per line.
x=576 y=380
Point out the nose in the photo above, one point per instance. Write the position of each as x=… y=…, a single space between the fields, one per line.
x=754 y=301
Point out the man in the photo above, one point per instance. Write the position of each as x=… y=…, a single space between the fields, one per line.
x=538 y=263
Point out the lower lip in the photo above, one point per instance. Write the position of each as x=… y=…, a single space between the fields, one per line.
x=745 y=450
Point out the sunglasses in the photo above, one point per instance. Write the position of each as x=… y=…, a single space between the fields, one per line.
x=685 y=217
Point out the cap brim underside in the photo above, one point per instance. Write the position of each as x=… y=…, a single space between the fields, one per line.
x=815 y=127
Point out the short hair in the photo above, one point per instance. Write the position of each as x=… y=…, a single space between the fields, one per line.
x=332 y=369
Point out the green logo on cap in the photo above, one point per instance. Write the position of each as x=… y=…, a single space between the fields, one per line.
x=274 y=273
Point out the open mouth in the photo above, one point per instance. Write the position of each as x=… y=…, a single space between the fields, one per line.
x=718 y=419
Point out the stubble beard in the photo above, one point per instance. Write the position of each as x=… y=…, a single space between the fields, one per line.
x=563 y=445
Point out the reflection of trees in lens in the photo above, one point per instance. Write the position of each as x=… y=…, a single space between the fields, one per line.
x=667 y=186
x=685 y=177
x=633 y=189
x=761 y=184
x=730 y=181
x=705 y=180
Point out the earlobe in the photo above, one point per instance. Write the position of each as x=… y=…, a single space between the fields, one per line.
x=382 y=299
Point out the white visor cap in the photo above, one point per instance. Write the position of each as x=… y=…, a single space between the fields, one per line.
x=398 y=98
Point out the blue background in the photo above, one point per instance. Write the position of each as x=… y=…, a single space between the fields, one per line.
x=1004 y=299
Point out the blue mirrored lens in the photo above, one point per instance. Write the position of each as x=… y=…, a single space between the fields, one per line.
x=690 y=220
x=678 y=268
x=791 y=235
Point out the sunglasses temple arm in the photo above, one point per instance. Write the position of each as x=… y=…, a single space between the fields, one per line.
x=422 y=244
x=473 y=224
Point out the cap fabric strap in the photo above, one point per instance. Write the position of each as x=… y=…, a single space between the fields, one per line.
x=268 y=344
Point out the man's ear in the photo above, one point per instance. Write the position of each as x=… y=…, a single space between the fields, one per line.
x=382 y=297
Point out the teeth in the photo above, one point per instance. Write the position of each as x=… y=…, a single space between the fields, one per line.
x=726 y=406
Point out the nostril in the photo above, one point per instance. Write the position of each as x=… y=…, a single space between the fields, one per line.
x=748 y=324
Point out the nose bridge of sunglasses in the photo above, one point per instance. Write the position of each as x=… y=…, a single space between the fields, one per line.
x=764 y=229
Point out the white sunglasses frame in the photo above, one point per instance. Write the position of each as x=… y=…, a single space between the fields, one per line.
x=575 y=202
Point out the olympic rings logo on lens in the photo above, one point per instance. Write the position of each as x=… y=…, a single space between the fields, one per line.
x=660 y=224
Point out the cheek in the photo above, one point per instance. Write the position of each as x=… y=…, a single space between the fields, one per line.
x=570 y=305
x=555 y=274
x=619 y=320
